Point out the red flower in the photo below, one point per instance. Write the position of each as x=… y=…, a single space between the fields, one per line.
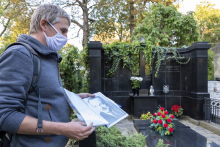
x=165 y=112
x=162 y=108
x=163 y=115
x=155 y=121
x=171 y=129
x=154 y=114
x=172 y=116
x=180 y=107
x=158 y=113
x=169 y=120
x=165 y=125
x=160 y=121
x=176 y=109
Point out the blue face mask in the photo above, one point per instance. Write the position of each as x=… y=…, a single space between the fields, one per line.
x=57 y=41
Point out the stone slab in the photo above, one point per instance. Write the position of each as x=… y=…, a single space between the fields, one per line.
x=183 y=136
x=190 y=138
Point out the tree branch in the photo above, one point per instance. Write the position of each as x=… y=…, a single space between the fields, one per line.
x=80 y=3
x=78 y=31
x=93 y=6
x=91 y=20
x=87 y=1
x=7 y=5
x=72 y=4
x=77 y=23
x=5 y=27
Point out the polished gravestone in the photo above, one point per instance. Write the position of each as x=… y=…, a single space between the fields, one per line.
x=143 y=104
x=183 y=136
x=187 y=82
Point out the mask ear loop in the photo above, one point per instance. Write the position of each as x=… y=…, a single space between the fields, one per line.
x=53 y=27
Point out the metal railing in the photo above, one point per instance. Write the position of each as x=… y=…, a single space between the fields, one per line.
x=212 y=110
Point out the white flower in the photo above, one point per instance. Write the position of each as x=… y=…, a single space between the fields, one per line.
x=132 y=78
x=140 y=78
x=136 y=78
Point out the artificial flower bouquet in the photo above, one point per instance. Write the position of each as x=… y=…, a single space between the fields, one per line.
x=177 y=110
x=136 y=82
x=163 y=122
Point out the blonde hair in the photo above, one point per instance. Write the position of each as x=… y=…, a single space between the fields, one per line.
x=51 y=13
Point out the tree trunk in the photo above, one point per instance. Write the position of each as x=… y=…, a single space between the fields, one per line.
x=131 y=18
x=85 y=24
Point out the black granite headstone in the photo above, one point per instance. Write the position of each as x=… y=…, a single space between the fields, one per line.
x=187 y=82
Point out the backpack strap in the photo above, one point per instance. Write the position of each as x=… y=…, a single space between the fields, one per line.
x=34 y=84
x=36 y=63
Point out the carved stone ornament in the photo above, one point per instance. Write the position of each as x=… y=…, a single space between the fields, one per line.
x=165 y=88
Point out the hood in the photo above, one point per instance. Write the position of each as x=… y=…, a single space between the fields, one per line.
x=38 y=46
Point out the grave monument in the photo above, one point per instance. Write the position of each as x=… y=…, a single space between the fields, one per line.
x=216 y=50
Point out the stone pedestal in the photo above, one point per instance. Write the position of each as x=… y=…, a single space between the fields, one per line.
x=88 y=142
x=143 y=104
x=96 y=66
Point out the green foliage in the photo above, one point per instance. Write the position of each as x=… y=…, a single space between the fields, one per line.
x=15 y=18
x=73 y=116
x=1 y=50
x=112 y=137
x=70 y=70
x=128 y=53
x=164 y=30
x=161 y=54
x=112 y=21
x=125 y=52
x=208 y=19
x=161 y=144
x=86 y=65
x=210 y=65
x=165 y=26
x=116 y=18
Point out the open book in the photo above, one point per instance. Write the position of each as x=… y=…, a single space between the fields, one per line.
x=99 y=110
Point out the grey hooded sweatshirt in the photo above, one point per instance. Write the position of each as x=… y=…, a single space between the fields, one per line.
x=16 y=71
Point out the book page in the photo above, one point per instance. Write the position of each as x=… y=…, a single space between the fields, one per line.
x=83 y=111
x=107 y=108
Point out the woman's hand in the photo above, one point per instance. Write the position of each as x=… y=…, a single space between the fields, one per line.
x=85 y=95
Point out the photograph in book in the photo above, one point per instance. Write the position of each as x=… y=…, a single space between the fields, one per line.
x=82 y=110
x=107 y=108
